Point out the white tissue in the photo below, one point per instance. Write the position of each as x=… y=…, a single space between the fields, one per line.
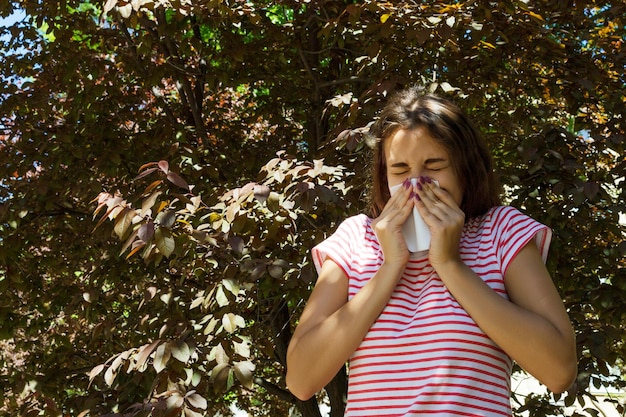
x=415 y=231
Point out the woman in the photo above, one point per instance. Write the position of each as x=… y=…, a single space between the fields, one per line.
x=432 y=332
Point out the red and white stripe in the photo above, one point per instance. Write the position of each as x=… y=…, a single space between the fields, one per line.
x=424 y=354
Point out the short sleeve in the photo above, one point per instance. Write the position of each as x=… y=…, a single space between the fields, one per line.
x=339 y=246
x=515 y=230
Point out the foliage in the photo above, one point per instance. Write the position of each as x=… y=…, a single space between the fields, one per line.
x=167 y=167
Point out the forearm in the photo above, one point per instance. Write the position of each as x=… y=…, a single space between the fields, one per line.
x=316 y=354
x=537 y=345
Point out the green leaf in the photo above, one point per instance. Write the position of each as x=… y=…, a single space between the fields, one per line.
x=123 y=222
x=164 y=241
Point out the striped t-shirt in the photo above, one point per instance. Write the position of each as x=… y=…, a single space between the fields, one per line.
x=425 y=355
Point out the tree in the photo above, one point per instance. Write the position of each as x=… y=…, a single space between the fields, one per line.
x=216 y=142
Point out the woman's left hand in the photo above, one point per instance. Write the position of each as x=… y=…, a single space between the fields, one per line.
x=444 y=219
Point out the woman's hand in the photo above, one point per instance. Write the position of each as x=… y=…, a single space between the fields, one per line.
x=388 y=225
x=444 y=219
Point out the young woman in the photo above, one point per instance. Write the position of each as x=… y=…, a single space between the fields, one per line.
x=432 y=332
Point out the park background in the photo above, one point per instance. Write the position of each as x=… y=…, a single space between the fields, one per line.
x=166 y=167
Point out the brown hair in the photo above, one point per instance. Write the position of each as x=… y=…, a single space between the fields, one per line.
x=450 y=126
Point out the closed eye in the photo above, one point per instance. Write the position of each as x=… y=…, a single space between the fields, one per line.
x=399 y=168
x=436 y=164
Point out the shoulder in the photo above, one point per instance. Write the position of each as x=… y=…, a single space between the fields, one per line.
x=355 y=224
x=344 y=242
x=504 y=217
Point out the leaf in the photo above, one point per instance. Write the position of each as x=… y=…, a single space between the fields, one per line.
x=220 y=376
x=232 y=321
x=219 y=354
x=149 y=164
x=174 y=402
x=166 y=218
x=125 y=10
x=162 y=356
x=244 y=371
x=109 y=375
x=535 y=15
x=175 y=179
x=447 y=87
x=109 y=5
x=164 y=166
x=145 y=174
x=231 y=285
x=152 y=186
x=147 y=204
x=97 y=370
x=261 y=192
x=196 y=401
x=487 y=44
x=146 y=231
x=137 y=246
x=144 y=353
x=130 y=241
x=191 y=413
x=220 y=297
x=164 y=241
x=181 y=351
x=243 y=348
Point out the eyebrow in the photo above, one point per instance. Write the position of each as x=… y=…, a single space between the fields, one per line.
x=429 y=161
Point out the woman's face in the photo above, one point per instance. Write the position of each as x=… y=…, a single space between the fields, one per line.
x=414 y=153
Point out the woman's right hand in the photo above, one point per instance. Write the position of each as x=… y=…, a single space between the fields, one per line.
x=388 y=225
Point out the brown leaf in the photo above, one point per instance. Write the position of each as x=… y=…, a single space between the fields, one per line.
x=196 y=400
x=161 y=357
x=261 y=192
x=164 y=166
x=244 y=371
x=220 y=376
x=97 y=370
x=149 y=164
x=175 y=179
x=130 y=241
x=145 y=174
x=147 y=204
x=220 y=354
x=137 y=246
x=144 y=353
x=146 y=231
x=152 y=186
x=181 y=351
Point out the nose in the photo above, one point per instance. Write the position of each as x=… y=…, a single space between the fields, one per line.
x=416 y=173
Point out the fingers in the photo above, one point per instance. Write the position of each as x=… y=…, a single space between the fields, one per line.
x=437 y=202
x=431 y=196
x=400 y=204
